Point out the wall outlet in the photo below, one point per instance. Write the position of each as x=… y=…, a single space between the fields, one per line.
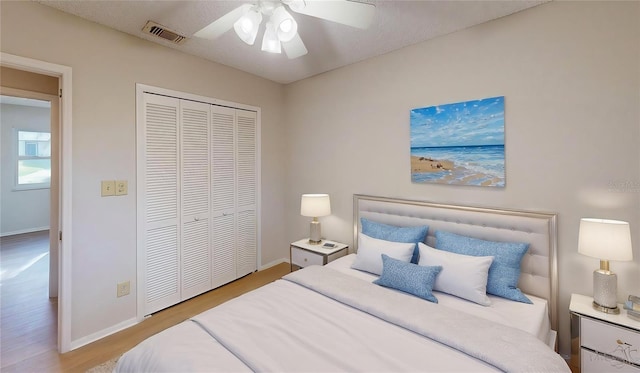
x=121 y=187
x=108 y=188
x=124 y=288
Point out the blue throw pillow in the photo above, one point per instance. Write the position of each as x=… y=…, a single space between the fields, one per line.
x=408 y=277
x=396 y=234
x=504 y=272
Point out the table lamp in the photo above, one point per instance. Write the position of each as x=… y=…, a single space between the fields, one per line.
x=315 y=205
x=606 y=240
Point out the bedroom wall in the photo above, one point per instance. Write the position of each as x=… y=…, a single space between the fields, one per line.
x=570 y=74
x=24 y=210
x=106 y=66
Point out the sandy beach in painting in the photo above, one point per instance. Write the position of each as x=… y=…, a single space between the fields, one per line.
x=426 y=164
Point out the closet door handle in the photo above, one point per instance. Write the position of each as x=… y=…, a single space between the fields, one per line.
x=196 y=219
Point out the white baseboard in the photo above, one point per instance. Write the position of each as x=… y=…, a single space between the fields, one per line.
x=103 y=333
x=21 y=231
x=273 y=263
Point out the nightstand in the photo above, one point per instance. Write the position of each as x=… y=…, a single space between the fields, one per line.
x=302 y=253
x=602 y=342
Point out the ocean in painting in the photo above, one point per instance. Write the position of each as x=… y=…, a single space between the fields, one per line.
x=472 y=165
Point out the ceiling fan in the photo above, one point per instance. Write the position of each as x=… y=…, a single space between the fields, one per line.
x=281 y=29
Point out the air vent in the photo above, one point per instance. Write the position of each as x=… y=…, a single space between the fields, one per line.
x=163 y=32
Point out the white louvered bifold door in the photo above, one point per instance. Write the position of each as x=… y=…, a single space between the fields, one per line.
x=196 y=253
x=246 y=163
x=223 y=187
x=160 y=217
x=197 y=197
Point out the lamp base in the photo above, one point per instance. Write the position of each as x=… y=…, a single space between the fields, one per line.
x=314 y=232
x=605 y=291
x=613 y=311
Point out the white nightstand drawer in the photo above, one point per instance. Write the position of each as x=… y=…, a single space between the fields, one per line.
x=303 y=258
x=594 y=363
x=610 y=339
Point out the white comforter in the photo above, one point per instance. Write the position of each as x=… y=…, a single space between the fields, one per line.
x=286 y=327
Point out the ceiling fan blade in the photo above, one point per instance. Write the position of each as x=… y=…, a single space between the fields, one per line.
x=294 y=48
x=222 y=24
x=346 y=12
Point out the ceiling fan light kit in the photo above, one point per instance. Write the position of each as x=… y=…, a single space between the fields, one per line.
x=281 y=29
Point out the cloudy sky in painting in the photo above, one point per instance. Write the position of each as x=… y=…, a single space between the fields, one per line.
x=479 y=122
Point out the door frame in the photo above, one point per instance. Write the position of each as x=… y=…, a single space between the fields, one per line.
x=65 y=197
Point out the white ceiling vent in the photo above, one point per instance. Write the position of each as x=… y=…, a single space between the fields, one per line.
x=163 y=32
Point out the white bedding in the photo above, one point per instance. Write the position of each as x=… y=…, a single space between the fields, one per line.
x=318 y=334
x=532 y=318
x=323 y=329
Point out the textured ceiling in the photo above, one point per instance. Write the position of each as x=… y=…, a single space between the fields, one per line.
x=397 y=24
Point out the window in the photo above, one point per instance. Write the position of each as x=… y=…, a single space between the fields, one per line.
x=34 y=159
x=31 y=149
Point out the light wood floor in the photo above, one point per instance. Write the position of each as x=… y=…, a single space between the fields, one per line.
x=28 y=325
x=29 y=346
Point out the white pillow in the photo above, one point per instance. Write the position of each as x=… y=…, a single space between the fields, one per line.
x=462 y=275
x=370 y=250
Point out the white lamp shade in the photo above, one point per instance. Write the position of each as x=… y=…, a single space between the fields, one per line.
x=284 y=24
x=246 y=27
x=315 y=205
x=270 y=42
x=605 y=239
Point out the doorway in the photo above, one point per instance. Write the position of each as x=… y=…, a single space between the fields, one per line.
x=61 y=260
x=29 y=137
x=29 y=191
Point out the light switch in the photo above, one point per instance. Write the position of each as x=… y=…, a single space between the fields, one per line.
x=121 y=187
x=108 y=188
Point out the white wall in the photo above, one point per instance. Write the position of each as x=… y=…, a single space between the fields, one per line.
x=20 y=210
x=106 y=66
x=570 y=74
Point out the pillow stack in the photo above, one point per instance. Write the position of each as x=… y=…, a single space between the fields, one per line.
x=465 y=267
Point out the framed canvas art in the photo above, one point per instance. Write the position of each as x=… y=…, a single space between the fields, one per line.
x=460 y=143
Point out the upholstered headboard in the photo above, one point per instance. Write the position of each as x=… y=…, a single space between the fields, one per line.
x=539 y=266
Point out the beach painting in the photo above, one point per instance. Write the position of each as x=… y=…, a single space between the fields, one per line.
x=460 y=143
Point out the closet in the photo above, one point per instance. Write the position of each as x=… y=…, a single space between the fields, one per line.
x=197 y=196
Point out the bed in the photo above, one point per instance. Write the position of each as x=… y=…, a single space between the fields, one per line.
x=336 y=318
